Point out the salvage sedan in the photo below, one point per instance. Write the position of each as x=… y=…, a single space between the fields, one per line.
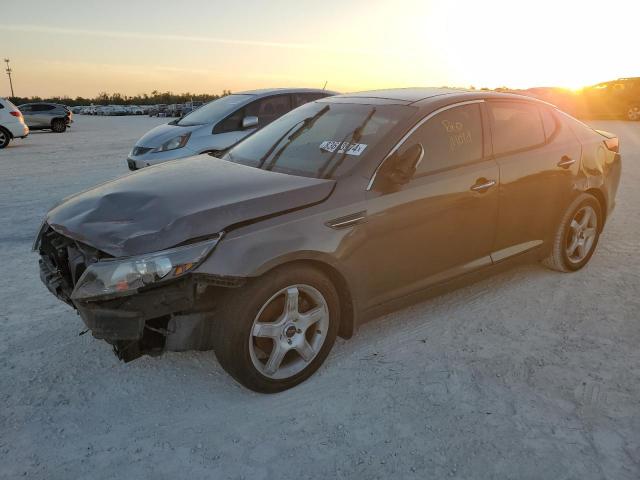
x=337 y=211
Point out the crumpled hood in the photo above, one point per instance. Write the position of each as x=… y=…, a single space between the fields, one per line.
x=162 y=133
x=162 y=206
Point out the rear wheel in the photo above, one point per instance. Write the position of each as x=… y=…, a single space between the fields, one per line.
x=275 y=332
x=58 y=125
x=5 y=138
x=633 y=113
x=577 y=235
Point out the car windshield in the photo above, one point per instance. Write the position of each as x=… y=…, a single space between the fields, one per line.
x=212 y=111
x=320 y=139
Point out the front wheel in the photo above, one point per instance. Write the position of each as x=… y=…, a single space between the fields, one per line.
x=577 y=235
x=58 y=125
x=274 y=332
x=5 y=138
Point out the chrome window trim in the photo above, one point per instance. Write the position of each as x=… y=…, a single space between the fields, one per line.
x=413 y=129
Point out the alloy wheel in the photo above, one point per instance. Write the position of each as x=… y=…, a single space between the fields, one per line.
x=582 y=233
x=633 y=113
x=3 y=137
x=289 y=331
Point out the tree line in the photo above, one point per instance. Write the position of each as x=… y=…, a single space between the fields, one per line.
x=104 y=98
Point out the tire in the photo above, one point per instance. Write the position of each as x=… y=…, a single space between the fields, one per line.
x=58 y=125
x=5 y=138
x=633 y=113
x=577 y=235
x=255 y=328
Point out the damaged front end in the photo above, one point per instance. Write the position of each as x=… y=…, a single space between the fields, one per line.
x=140 y=305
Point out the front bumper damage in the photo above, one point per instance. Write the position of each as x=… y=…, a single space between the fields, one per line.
x=171 y=316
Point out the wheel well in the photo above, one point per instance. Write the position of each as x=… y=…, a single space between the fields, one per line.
x=6 y=131
x=347 y=308
x=602 y=201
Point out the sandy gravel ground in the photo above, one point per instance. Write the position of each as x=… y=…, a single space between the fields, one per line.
x=530 y=374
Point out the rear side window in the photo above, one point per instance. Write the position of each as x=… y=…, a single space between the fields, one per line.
x=515 y=126
x=450 y=139
x=42 y=108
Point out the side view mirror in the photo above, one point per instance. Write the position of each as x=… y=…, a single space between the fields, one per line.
x=249 y=122
x=399 y=169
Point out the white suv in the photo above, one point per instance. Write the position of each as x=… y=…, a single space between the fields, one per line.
x=11 y=123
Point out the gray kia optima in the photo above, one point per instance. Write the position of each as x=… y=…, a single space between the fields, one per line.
x=333 y=213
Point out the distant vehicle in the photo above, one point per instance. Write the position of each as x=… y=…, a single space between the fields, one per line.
x=157 y=110
x=78 y=109
x=218 y=125
x=11 y=123
x=617 y=98
x=135 y=110
x=117 y=110
x=174 y=110
x=45 y=116
x=190 y=107
x=342 y=209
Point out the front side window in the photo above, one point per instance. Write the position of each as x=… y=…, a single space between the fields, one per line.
x=515 y=126
x=321 y=140
x=450 y=138
x=212 y=111
x=269 y=109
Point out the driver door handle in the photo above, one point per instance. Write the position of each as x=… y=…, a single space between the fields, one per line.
x=566 y=162
x=482 y=185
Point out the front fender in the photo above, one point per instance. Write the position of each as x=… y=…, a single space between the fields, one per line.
x=302 y=236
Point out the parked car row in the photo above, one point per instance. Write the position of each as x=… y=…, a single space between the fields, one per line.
x=173 y=110
x=336 y=211
x=112 y=110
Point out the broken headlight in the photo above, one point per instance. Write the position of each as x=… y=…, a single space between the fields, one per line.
x=123 y=276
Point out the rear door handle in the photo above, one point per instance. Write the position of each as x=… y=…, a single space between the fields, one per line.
x=482 y=185
x=566 y=162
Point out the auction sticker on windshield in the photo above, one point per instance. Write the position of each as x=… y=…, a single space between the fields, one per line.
x=350 y=148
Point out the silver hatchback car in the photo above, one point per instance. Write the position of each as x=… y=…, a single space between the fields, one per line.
x=218 y=125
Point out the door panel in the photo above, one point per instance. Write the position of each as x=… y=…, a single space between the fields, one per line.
x=535 y=187
x=440 y=224
x=434 y=229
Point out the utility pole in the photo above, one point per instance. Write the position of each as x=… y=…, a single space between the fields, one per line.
x=8 y=70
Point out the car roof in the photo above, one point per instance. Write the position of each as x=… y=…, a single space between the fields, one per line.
x=422 y=96
x=270 y=91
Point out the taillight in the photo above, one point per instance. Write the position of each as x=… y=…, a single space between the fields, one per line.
x=16 y=113
x=612 y=144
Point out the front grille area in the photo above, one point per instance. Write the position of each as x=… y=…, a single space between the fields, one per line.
x=140 y=150
x=62 y=262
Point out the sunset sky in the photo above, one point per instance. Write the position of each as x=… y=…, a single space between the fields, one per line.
x=83 y=47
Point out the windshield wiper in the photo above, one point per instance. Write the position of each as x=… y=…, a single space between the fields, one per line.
x=307 y=123
x=355 y=136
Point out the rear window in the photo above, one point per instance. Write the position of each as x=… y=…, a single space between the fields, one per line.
x=320 y=140
x=515 y=126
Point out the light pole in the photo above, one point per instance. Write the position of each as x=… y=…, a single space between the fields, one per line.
x=8 y=70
